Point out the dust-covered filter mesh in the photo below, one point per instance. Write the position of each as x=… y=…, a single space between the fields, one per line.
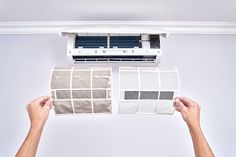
x=148 y=90
x=81 y=90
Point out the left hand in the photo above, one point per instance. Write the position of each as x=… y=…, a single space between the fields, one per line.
x=38 y=110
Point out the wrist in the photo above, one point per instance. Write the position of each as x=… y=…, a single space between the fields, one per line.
x=194 y=126
x=37 y=125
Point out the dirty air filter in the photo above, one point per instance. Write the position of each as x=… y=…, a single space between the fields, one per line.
x=148 y=90
x=81 y=90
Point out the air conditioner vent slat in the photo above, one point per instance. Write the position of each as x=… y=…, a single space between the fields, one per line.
x=114 y=58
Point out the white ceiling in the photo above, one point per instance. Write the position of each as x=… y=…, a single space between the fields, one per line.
x=160 y=10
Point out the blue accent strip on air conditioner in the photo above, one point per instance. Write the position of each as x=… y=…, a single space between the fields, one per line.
x=91 y=41
x=101 y=41
x=125 y=41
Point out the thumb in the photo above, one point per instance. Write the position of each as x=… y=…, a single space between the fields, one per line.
x=48 y=105
x=179 y=106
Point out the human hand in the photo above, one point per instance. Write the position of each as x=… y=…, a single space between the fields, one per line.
x=189 y=109
x=38 y=110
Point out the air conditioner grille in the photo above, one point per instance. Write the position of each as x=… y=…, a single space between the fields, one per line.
x=151 y=58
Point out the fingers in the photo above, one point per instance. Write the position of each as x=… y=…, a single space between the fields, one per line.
x=42 y=100
x=48 y=104
x=179 y=106
x=39 y=101
x=186 y=101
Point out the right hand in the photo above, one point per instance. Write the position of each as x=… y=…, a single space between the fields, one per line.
x=189 y=109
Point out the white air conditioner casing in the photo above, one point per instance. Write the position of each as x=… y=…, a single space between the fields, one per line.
x=114 y=44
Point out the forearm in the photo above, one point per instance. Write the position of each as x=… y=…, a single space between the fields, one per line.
x=201 y=147
x=29 y=147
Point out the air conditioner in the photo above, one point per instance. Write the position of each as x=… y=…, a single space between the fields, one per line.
x=114 y=44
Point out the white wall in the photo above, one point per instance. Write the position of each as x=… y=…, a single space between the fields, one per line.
x=79 y=10
x=207 y=69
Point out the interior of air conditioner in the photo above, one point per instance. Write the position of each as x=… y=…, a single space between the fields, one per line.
x=114 y=48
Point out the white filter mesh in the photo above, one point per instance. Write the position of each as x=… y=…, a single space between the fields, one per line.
x=147 y=107
x=129 y=80
x=148 y=90
x=81 y=90
x=169 y=80
x=147 y=81
x=128 y=107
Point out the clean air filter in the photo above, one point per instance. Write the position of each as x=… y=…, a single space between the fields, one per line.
x=148 y=90
x=81 y=90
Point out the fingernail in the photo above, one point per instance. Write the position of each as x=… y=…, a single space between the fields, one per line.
x=176 y=98
x=177 y=102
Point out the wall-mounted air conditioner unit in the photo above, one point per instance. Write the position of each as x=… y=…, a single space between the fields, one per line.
x=114 y=44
